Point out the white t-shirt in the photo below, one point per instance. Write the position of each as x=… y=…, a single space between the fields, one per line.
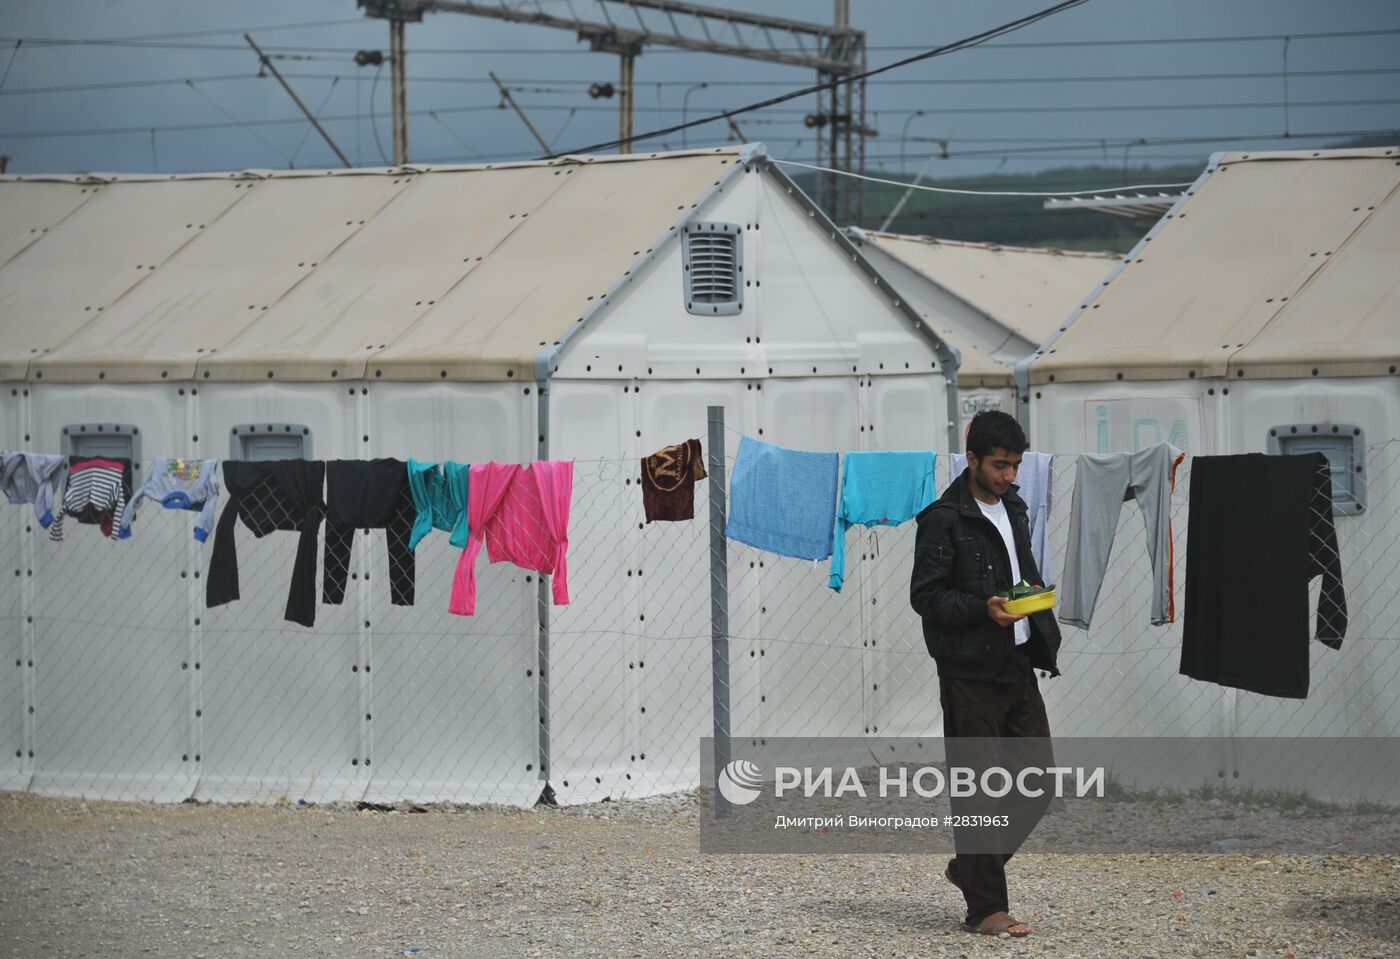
x=997 y=514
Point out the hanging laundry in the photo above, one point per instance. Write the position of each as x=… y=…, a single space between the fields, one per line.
x=32 y=478
x=97 y=491
x=1103 y=483
x=440 y=499
x=668 y=482
x=1033 y=484
x=270 y=495
x=521 y=514
x=879 y=489
x=368 y=494
x=1260 y=529
x=179 y=484
x=782 y=500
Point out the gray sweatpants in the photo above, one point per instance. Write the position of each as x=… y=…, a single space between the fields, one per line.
x=1103 y=483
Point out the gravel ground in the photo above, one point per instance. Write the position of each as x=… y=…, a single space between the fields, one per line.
x=86 y=878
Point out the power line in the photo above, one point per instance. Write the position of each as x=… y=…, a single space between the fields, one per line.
x=155 y=41
x=969 y=81
x=1136 y=143
x=1148 y=143
x=941 y=189
x=202 y=33
x=307 y=132
x=1158 y=41
x=247 y=125
x=1147 y=107
x=1031 y=108
x=174 y=127
x=455 y=135
x=547 y=108
x=532 y=85
x=834 y=83
x=125 y=84
x=9 y=63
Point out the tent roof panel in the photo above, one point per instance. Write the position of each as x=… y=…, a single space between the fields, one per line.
x=463 y=271
x=28 y=215
x=977 y=369
x=117 y=240
x=1230 y=264
x=387 y=276
x=215 y=287
x=1029 y=290
x=546 y=274
x=1345 y=321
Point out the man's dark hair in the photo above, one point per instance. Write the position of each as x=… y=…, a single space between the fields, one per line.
x=993 y=428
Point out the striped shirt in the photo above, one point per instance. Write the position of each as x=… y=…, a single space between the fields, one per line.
x=96 y=493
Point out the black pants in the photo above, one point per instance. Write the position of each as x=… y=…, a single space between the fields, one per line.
x=990 y=712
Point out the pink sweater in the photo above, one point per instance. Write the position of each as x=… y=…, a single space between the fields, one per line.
x=521 y=513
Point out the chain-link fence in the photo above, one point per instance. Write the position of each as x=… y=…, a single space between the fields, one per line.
x=118 y=681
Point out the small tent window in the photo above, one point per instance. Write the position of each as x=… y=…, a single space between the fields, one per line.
x=108 y=440
x=270 y=441
x=1345 y=448
x=714 y=268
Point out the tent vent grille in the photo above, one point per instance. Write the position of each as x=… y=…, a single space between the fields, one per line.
x=714 y=267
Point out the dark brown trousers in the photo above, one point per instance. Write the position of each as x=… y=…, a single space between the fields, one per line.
x=990 y=712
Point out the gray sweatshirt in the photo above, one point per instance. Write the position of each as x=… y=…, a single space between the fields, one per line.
x=32 y=478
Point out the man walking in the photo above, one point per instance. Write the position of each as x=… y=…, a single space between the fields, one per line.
x=974 y=542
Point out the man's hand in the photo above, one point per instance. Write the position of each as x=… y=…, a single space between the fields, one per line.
x=998 y=614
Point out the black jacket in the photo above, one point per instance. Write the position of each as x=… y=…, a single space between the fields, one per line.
x=270 y=495
x=960 y=560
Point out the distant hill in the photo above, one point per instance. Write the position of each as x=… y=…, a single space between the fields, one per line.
x=1020 y=221
x=1023 y=221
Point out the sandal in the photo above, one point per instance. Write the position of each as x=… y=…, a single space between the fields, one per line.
x=997 y=923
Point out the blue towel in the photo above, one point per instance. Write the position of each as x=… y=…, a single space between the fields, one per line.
x=783 y=501
x=879 y=489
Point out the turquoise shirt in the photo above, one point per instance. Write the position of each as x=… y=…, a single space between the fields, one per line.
x=440 y=496
x=879 y=489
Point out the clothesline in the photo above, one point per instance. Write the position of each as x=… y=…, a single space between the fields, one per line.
x=787 y=502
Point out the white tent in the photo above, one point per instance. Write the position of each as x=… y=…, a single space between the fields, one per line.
x=507 y=312
x=1261 y=314
x=995 y=303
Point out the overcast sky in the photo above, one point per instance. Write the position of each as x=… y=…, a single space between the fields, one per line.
x=1029 y=102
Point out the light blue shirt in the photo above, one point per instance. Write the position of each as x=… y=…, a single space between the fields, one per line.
x=879 y=489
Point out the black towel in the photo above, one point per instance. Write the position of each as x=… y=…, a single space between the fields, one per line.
x=1260 y=528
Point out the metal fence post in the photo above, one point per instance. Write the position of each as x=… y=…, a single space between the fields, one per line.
x=542 y=596
x=719 y=601
x=27 y=763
